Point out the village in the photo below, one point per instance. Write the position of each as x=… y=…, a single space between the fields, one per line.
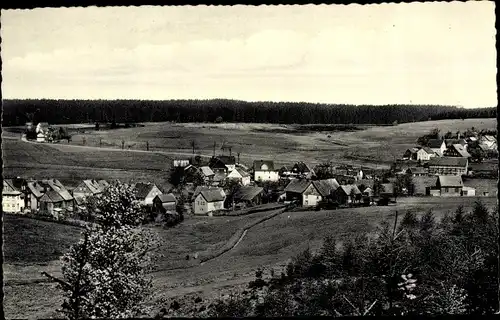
x=222 y=185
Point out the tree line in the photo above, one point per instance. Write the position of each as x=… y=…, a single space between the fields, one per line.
x=18 y=112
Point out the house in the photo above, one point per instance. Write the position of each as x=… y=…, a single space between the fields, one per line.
x=437 y=145
x=56 y=198
x=362 y=184
x=416 y=171
x=190 y=169
x=164 y=202
x=448 y=166
x=264 y=171
x=146 y=192
x=249 y=195
x=219 y=178
x=386 y=190
x=240 y=175
x=207 y=174
x=410 y=154
x=208 y=201
x=348 y=193
x=13 y=198
x=447 y=186
x=468 y=191
x=300 y=169
x=34 y=192
x=222 y=164
x=425 y=154
x=457 y=150
x=182 y=163
x=310 y=193
x=42 y=130
x=86 y=189
x=284 y=171
x=489 y=142
x=202 y=188
x=451 y=142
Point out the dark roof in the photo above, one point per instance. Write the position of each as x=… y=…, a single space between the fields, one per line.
x=434 y=143
x=199 y=189
x=227 y=160
x=142 y=189
x=166 y=197
x=325 y=187
x=212 y=195
x=347 y=188
x=257 y=165
x=366 y=182
x=450 y=181
x=416 y=170
x=300 y=167
x=51 y=196
x=428 y=150
x=448 y=161
x=247 y=193
x=216 y=163
x=35 y=188
x=297 y=185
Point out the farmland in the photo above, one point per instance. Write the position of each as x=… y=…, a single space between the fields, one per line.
x=371 y=146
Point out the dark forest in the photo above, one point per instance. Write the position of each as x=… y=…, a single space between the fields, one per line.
x=18 y=112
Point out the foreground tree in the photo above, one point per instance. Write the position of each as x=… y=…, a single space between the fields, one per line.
x=104 y=275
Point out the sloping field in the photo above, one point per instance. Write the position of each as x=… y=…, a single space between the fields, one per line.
x=72 y=164
x=373 y=145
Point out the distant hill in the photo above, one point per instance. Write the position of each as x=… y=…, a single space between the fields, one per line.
x=18 y=112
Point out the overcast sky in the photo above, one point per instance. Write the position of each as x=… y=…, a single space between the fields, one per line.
x=419 y=53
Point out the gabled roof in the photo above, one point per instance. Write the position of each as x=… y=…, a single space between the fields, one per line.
x=35 y=188
x=435 y=143
x=461 y=150
x=348 y=188
x=206 y=171
x=248 y=193
x=8 y=186
x=448 y=162
x=190 y=167
x=450 y=181
x=325 y=187
x=103 y=184
x=297 y=185
x=416 y=170
x=300 y=167
x=219 y=176
x=199 y=189
x=263 y=165
x=489 y=138
x=93 y=186
x=241 y=172
x=143 y=189
x=51 y=196
x=413 y=150
x=428 y=150
x=212 y=195
x=164 y=198
x=450 y=142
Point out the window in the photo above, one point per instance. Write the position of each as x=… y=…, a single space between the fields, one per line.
x=457 y=189
x=446 y=190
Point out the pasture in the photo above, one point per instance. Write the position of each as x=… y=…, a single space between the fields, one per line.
x=370 y=146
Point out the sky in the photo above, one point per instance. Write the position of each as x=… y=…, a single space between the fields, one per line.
x=407 y=53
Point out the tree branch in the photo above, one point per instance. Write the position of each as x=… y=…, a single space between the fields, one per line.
x=66 y=285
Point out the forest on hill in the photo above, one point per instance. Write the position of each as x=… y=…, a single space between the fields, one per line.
x=18 y=112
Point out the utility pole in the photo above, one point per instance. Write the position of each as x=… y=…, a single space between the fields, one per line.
x=147 y=145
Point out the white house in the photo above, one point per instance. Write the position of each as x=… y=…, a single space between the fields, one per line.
x=264 y=171
x=240 y=175
x=41 y=131
x=425 y=154
x=208 y=201
x=438 y=146
x=146 y=192
x=12 y=201
x=181 y=163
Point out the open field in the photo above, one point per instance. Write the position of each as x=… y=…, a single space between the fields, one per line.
x=269 y=244
x=372 y=146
